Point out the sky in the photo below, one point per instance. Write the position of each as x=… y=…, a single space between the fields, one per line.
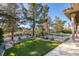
x=56 y=9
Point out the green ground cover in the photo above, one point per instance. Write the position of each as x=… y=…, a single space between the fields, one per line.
x=34 y=47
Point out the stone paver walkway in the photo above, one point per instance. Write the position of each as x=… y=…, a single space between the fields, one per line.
x=67 y=48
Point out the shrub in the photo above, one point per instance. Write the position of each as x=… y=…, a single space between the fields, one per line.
x=67 y=31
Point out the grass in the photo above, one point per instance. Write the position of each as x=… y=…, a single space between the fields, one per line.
x=34 y=47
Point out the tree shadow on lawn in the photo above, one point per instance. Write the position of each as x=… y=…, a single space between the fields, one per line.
x=35 y=47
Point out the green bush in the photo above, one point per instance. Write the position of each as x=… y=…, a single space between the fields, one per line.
x=1 y=36
x=67 y=31
x=45 y=32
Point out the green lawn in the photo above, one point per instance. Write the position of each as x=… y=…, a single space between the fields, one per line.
x=32 y=47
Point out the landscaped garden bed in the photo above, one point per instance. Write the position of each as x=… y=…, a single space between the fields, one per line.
x=33 y=47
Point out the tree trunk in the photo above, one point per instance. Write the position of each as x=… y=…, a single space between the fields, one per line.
x=12 y=33
x=48 y=28
x=42 y=31
x=33 y=28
